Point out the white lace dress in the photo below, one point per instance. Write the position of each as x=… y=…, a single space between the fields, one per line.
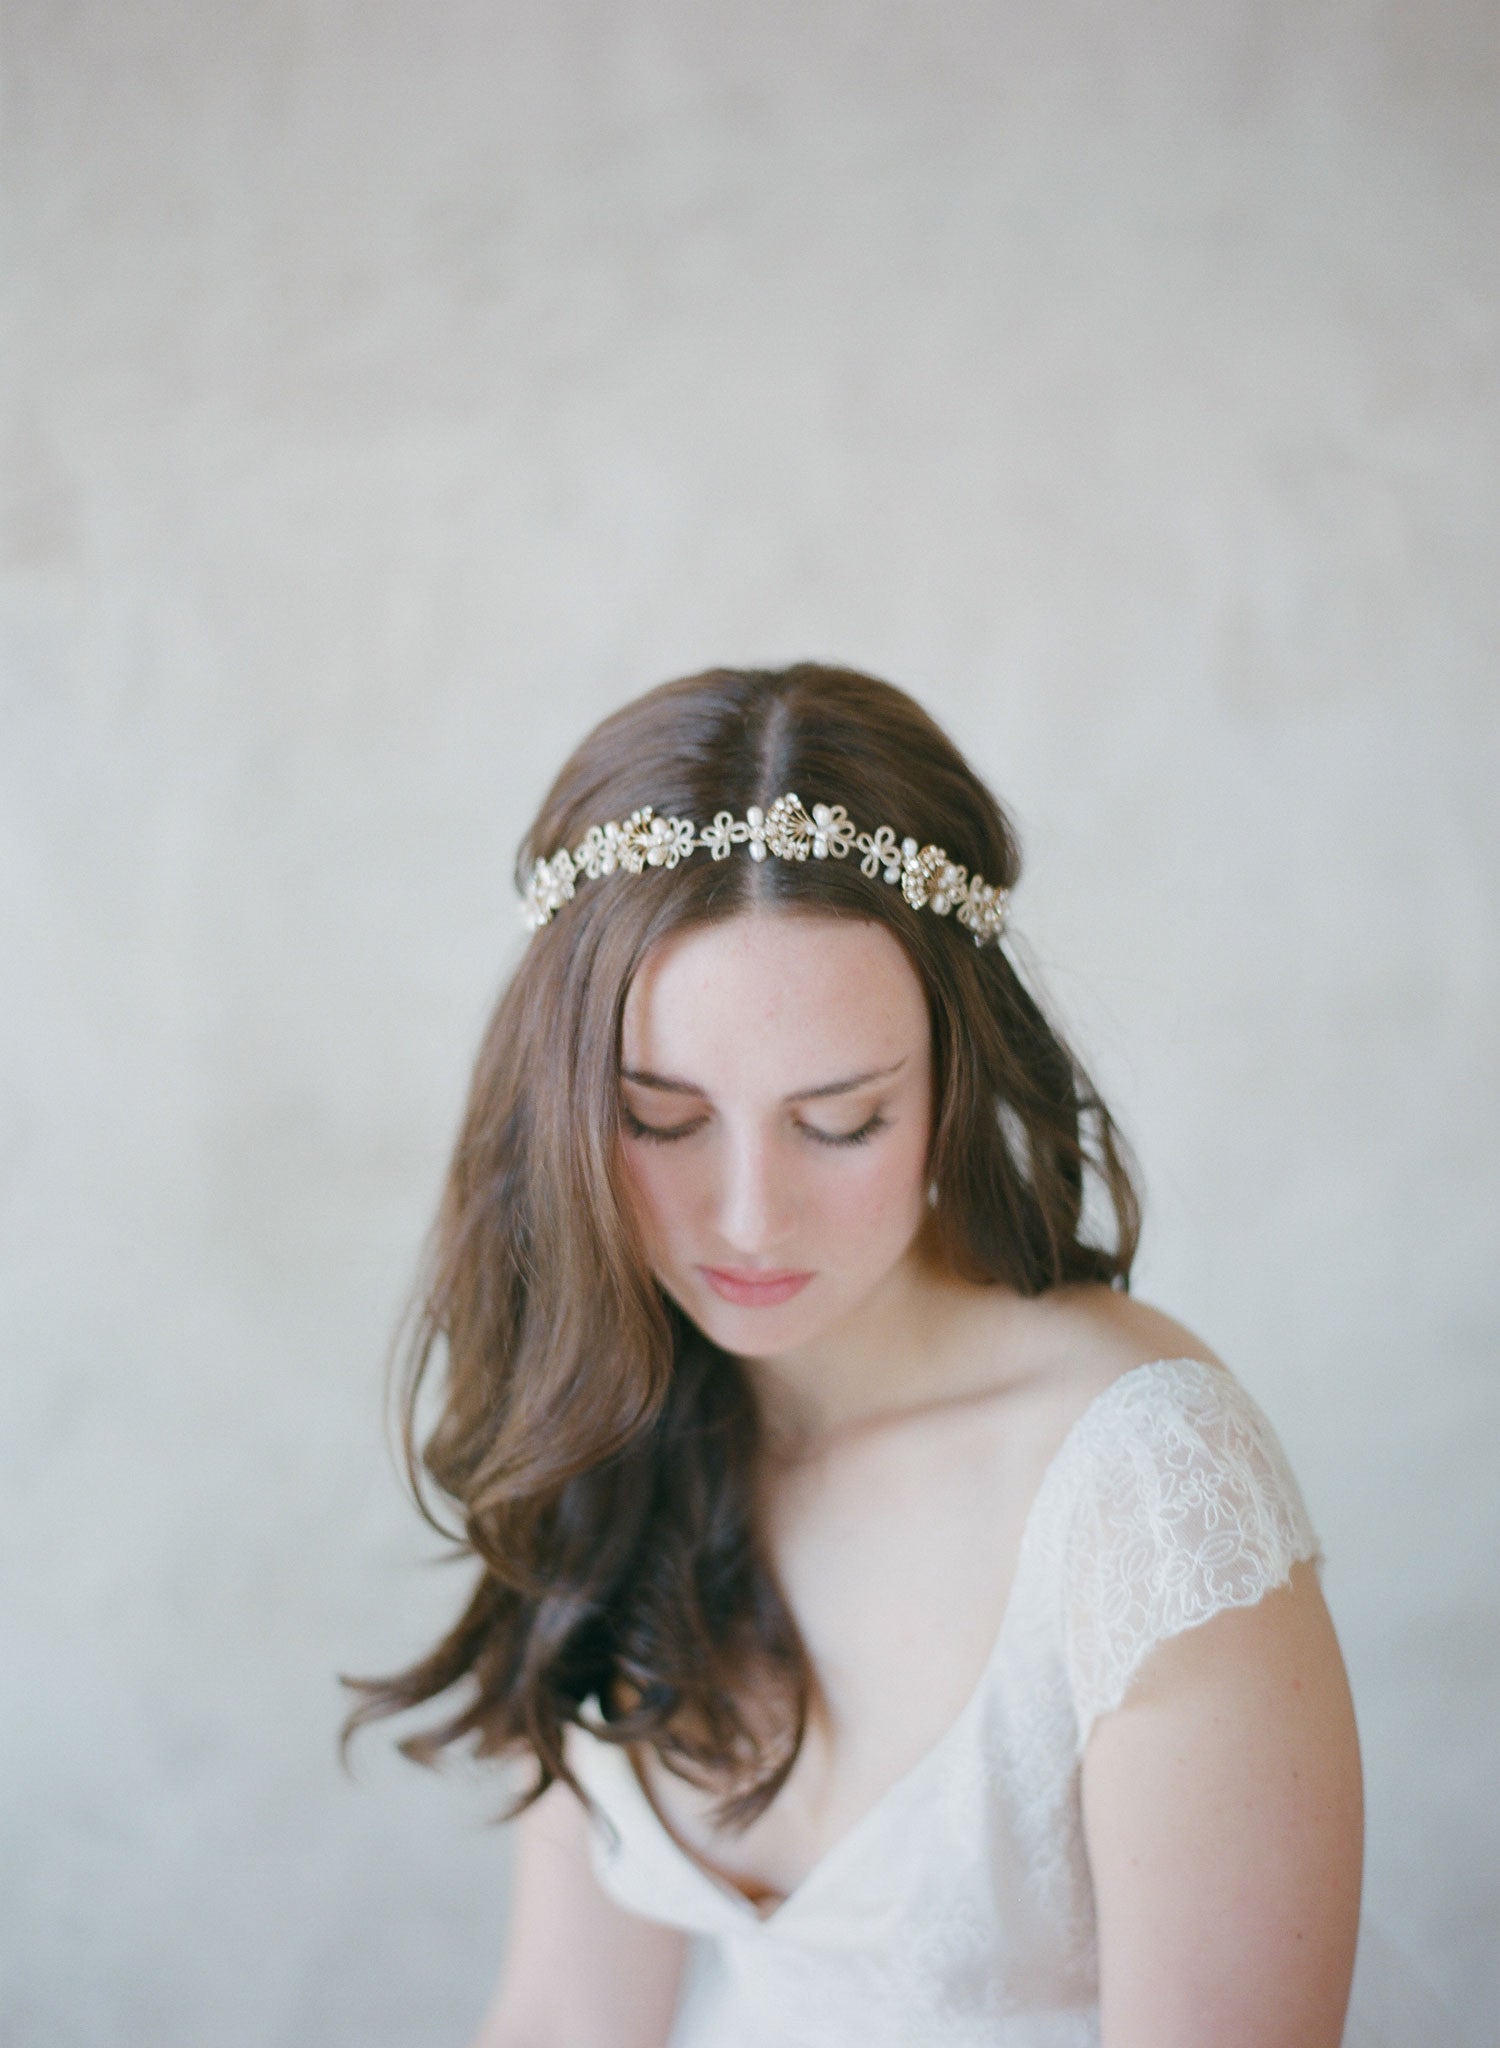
x=957 y=1912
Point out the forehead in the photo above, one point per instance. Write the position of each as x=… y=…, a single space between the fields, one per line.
x=768 y=1002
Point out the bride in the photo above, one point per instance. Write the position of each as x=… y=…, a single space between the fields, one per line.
x=894 y=1613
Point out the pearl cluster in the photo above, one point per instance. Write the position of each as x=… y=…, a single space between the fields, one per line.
x=927 y=877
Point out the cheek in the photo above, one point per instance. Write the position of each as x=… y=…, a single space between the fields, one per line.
x=866 y=1203
x=885 y=1198
x=656 y=1188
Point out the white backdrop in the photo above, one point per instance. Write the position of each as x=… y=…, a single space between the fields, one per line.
x=391 y=389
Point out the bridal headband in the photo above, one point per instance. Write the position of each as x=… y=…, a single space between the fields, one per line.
x=927 y=878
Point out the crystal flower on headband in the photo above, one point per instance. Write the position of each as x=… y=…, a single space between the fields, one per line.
x=927 y=878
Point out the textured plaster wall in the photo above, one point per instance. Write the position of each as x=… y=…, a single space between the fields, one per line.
x=391 y=389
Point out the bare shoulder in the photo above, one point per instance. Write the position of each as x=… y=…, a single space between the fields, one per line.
x=1084 y=1336
x=1041 y=1360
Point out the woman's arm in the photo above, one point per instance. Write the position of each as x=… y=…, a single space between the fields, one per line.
x=1223 y=1812
x=579 y=1971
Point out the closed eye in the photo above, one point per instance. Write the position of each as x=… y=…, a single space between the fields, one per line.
x=637 y=1129
x=865 y=1132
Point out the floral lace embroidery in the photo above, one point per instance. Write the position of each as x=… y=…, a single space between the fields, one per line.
x=1183 y=1507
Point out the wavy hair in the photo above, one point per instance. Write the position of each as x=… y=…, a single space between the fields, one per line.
x=597 y=1450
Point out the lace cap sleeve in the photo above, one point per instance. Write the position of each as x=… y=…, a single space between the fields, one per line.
x=1185 y=1504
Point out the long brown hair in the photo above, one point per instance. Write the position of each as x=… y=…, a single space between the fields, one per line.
x=598 y=1450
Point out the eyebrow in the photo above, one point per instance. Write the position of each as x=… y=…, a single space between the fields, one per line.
x=669 y=1084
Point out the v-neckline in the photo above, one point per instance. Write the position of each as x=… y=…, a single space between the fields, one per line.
x=724 y=1887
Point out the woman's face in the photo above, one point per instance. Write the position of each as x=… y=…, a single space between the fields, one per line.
x=776 y=1112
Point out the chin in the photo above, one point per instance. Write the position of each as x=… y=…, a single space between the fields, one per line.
x=767 y=1332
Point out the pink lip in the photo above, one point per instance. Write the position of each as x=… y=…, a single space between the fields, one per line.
x=754 y=1290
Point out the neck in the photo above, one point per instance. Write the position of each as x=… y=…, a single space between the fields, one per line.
x=901 y=1350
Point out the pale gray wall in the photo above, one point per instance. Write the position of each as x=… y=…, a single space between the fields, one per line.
x=391 y=389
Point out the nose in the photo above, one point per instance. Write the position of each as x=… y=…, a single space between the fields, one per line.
x=755 y=1196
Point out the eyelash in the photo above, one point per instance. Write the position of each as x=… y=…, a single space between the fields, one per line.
x=866 y=1131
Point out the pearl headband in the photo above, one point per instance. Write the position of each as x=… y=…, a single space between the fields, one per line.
x=928 y=879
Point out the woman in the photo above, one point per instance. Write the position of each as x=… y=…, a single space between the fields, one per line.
x=881 y=1592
